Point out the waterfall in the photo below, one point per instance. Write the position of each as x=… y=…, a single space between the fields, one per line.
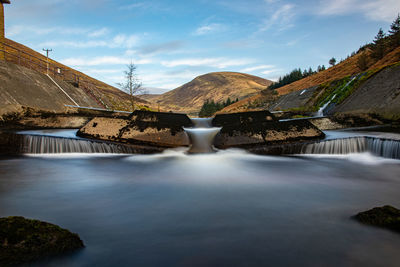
x=321 y=110
x=381 y=147
x=386 y=148
x=39 y=144
x=202 y=136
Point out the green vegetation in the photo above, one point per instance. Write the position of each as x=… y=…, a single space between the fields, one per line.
x=210 y=107
x=23 y=240
x=294 y=75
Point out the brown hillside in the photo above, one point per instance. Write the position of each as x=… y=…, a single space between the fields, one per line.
x=339 y=71
x=99 y=91
x=217 y=86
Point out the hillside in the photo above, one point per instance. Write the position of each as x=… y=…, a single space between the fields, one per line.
x=217 y=86
x=346 y=68
x=20 y=86
x=102 y=93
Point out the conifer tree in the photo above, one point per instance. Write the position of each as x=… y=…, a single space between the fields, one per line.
x=394 y=32
x=379 y=45
x=332 y=61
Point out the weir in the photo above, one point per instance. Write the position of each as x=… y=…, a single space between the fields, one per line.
x=387 y=148
x=40 y=144
x=202 y=136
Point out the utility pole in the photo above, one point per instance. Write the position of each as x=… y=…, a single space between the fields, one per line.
x=47 y=55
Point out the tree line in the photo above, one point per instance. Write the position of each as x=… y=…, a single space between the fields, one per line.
x=294 y=75
x=210 y=107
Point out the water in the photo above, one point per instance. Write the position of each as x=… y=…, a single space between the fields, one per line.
x=224 y=209
x=228 y=208
x=202 y=135
x=321 y=110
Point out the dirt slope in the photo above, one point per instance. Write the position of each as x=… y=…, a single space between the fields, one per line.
x=217 y=86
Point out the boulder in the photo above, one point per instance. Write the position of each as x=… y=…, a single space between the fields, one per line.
x=386 y=216
x=24 y=240
x=248 y=129
x=141 y=127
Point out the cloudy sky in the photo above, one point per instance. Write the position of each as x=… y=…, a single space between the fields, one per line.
x=173 y=41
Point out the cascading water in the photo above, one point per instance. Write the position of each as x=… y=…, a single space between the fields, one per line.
x=40 y=144
x=202 y=136
x=380 y=147
x=321 y=110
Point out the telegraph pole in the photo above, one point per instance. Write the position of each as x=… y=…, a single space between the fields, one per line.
x=47 y=55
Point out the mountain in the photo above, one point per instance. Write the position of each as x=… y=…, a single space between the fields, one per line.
x=216 y=86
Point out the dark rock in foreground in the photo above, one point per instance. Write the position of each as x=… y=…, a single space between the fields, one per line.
x=386 y=216
x=24 y=240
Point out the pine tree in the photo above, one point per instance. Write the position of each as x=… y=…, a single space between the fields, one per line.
x=332 y=61
x=362 y=61
x=379 y=45
x=394 y=32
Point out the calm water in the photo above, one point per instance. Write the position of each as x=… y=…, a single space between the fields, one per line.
x=224 y=209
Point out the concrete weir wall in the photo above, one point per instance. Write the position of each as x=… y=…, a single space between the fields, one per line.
x=248 y=129
x=141 y=127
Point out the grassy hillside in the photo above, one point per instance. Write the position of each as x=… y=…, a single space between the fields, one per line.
x=340 y=71
x=216 y=86
x=100 y=91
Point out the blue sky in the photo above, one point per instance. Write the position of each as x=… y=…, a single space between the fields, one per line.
x=172 y=42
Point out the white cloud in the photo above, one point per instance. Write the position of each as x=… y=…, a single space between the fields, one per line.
x=377 y=10
x=23 y=29
x=281 y=19
x=134 y=6
x=208 y=29
x=119 y=41
x=219 y=63
x=266 y=72
x=260 y=67
x=105 y=60
x=99 y=32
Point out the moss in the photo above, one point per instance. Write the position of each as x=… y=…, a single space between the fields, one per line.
x=24 y=240
x=386 y=216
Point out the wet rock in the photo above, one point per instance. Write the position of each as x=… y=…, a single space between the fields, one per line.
x=386 y=216
x=142 y=127
x=249 y=129
x=24 y=240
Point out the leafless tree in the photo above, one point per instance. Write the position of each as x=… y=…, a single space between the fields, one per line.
x=131 y=85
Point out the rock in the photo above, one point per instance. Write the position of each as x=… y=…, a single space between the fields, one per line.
x=142 y=127
x=386 y=216
x=242 y=118
x=24 y=240
x=248 y=129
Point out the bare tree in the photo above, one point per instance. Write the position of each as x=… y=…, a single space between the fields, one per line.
x=132 y=85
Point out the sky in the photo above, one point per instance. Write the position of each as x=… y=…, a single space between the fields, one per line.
x=172 y=42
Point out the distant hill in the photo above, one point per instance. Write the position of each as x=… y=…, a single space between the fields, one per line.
x=217 y=86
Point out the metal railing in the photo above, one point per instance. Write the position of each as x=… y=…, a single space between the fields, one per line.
x=20 y=57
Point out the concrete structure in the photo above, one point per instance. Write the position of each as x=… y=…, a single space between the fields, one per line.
x=2 y=35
